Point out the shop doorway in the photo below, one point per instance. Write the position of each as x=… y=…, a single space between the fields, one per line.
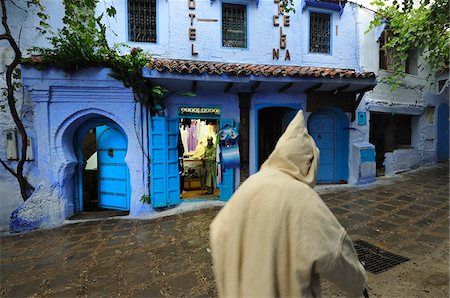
x=102 y=176
x=272 y=123
x=197 y=163
x=389 y=132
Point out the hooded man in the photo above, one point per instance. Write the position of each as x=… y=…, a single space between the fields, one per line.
x=275 y=236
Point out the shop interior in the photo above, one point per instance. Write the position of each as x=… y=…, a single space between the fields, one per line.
x=191 y=150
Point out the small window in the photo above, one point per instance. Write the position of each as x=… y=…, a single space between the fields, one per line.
x=386 y=56
x=142 y=20
x=319 y=32
x=234 y=25
x=412 y=62
x=429 y=115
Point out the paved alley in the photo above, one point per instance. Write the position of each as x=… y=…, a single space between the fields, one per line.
x=406 y=215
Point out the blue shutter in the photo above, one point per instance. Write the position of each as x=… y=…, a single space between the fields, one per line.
x=227 y=185
x=173 y=177
x=164 y=177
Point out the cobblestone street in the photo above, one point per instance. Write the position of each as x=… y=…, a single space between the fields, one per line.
x=406 y=214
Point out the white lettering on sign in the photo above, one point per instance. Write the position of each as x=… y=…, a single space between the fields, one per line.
x=199 y=111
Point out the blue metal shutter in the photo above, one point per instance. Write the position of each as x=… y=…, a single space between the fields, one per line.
x=227 y=185
x=164 y=177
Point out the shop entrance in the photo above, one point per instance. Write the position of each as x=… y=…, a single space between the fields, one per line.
x=197 y=159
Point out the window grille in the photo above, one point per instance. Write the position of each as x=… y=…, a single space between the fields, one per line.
x=142 y=20
x=234 y=25
x=319 y=33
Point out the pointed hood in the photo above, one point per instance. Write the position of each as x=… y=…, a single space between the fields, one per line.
x=296 y=153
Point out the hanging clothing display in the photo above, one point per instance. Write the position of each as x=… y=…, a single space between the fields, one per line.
x=199 y=160
x=184 y=137
x=192 y=136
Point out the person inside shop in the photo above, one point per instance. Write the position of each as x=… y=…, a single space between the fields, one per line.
x=209 y=164
x=276 y=237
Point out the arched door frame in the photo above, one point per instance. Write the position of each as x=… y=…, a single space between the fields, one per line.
x=78 y=141
x=342 y=140
x=294 y=106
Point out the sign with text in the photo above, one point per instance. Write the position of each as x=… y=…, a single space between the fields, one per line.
x=199 y=111
x=281 y=20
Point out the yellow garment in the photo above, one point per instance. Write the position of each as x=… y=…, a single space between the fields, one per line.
x=275 y=236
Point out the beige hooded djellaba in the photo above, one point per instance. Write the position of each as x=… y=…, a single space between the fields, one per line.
x=275 y=236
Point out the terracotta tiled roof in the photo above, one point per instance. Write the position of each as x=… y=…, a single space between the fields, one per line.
x=236 y=69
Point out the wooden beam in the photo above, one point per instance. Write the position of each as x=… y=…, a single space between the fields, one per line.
x=285 y=87
x=340 y=89
x=228 y=87
x=312 y=88
x=194 y=86
x=255 y=86
x=365 y=89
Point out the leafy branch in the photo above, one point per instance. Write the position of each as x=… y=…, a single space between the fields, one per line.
x=82 y=42
x=424 y=27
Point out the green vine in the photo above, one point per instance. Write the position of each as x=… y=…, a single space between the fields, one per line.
x=424 y=27
x=81 y=42
x=146 y=199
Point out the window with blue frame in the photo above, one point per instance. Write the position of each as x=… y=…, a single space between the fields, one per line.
x=319 y=32
x=142 y=20
x=234 y=25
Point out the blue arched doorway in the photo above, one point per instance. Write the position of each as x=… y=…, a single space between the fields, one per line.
x=329 y=128
x=442 y=132
x=101 y=179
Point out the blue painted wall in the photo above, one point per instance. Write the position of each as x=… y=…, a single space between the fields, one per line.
x=63 y=103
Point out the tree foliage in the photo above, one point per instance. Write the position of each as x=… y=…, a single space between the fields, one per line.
x=82 y=42
x=424 y=27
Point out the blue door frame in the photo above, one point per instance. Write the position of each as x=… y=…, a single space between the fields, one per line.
x=258 y=107
x=78 y=175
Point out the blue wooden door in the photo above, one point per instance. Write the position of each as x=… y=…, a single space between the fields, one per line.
x=442 y=133
x=227 y=185
x=164 y=176
x=322 y=127
x=114 y=182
